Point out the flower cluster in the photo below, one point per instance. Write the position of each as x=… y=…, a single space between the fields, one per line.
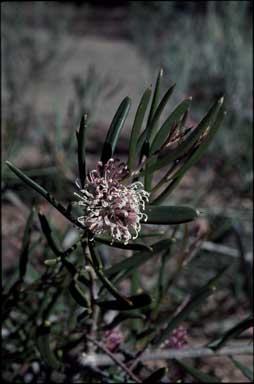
x=177 y=338
x=114 y=338
x=110 y=207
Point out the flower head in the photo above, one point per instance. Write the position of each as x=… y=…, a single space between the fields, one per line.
x=110 y=207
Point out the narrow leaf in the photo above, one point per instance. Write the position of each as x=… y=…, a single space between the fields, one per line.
x=247 y=372
x=138 y=258
x=81 y=136
x=156 y=376
x=154 y=104
x=43 y=342
x=115 y=129
x=170 y=214
x=117 y=244
x=193 y=303
x=138 y=301
x=44 y=193
x=138 y=121
x=101 y=275
x=23 y=260
x=193 y=158
x=78 y=295
x=168 y=155
x=165 y=129
x=232 y=332
x=197 y=374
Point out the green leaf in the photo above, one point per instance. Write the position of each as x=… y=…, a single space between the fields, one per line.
x=247 y=372
x=165 y=129
x=168 y=155
x=44 y=193
x=78 y=295
x=138 y=121
x=156 y=376
x=97 y=264
x=170 y=214
x=43 y=342
x=115 y=129
x=150 y=127
x=197 y=374
x=193 y=158
x=138 y=258
x=192 y=304
x=123 y=317
x=23 y=260
x=137 y=301
x=81 y=136
x=232 y=332
x=117 y=244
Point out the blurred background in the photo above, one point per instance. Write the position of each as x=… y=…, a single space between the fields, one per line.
x=59 y=59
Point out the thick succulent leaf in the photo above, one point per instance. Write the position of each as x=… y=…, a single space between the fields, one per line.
x=160 y=109
x=78 y=295
x=138 y=258
x=135 y=302
x=155 y=101
x=170 y=214
x=166 y=127
x=115 y=129
x=193 y=303
x=126 y=315
x=130 y=246
x=212 y=119
x=138 y=121
x=23 y=260
x=81 y=137
x=43 y=192
x=156 y=376
x=43 y=342
x=232 y=332
x=200 y=376
x=247 y=372
x=193 y=158
x=98 y=268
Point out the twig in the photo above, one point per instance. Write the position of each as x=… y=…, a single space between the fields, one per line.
x=115 y=358
x=103 y=360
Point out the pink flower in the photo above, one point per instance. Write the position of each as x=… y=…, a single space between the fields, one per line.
x=110 y=207
x=114 y=338
x=177 y=339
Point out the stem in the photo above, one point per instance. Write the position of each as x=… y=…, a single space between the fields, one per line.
x=115 y=358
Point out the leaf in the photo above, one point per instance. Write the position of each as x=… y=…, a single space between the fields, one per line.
x=138 y=121
x=150 y=127
x=115 y=129
x=123 y=317
x=197 y=374
x=117 y=244
x=193 y=158
x=137 y=301
x=247 y=372
x=169 y=155
x=97 y=264
x=170 y=214
x=137 y=259
x=78 y=295
x=23 y=260
x=165 y=129
x=44 y=193
x=156 y=376
x=232 y=332
x=81 y=149
x=192 y=304
x=43 y=342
